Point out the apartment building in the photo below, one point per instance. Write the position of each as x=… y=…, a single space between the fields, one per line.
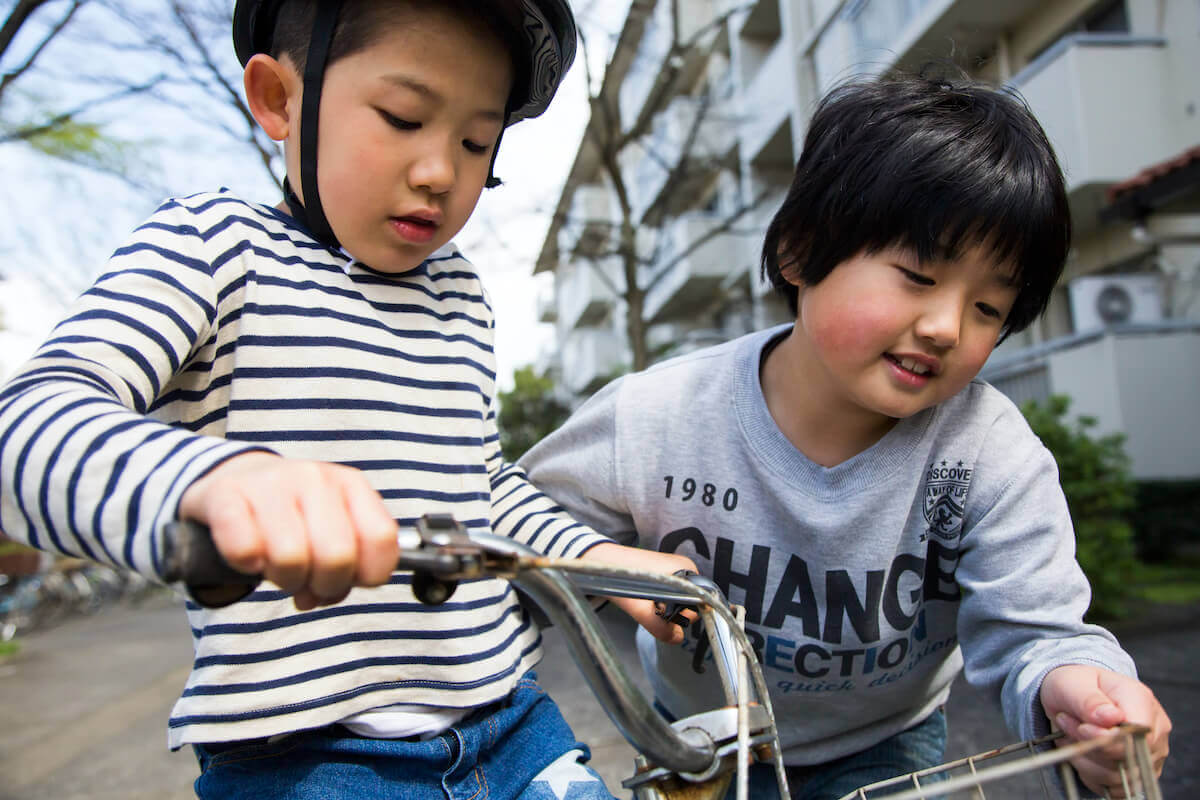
x=719 y=124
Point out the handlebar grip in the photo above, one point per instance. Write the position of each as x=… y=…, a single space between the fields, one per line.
x=190 y=557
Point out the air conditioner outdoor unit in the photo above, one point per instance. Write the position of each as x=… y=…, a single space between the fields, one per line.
x=1100 y=301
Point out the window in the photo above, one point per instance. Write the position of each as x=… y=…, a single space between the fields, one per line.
x=1110 y=17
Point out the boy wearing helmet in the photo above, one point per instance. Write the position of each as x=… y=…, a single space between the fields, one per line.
x=301 y=379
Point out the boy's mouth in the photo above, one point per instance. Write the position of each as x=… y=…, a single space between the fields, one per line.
x=917 y=366
x=416 y=227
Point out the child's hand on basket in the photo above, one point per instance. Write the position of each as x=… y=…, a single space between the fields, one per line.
x=316 y=530
x=1086 y=702
x=643 y=611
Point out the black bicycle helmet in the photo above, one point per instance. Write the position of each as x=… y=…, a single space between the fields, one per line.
x=548 y=29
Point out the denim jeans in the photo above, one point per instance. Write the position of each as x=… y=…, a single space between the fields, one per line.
x=921 y=746
x=519 y=749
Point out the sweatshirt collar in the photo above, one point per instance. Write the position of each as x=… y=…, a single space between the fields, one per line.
x=772 y=447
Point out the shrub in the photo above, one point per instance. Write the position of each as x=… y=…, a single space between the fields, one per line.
x=1094 y=472
x=528 y=413
x=1166 y=521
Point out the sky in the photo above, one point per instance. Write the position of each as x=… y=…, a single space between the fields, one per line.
x=62 y=221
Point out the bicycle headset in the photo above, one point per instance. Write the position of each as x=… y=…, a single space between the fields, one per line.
x=548 y=28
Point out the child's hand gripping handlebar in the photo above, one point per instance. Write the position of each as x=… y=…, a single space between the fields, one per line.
x=698 y=753
x=438 y=550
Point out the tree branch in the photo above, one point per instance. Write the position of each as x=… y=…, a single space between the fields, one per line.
x=18 y=17
x=58 y=120
x=726 y=225
x=231 y=93
x=14 y=22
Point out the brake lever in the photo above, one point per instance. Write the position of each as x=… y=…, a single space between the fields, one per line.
x=442 y=556
x=673 y=612
x=701 y=650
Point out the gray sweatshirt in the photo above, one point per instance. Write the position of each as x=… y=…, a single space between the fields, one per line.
x=866 y=585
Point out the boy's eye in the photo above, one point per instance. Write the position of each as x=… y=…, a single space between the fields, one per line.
x=916 y=277
x=475 y=147
x=989 y=311
x=399 y=124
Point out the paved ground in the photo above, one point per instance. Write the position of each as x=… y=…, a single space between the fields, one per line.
x=83 y=708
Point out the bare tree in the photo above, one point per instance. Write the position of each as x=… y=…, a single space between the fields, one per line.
x=612 y=137
x=193 y=40
x=63 y=133
x=186 y=46
x=119 y=88
x=20 y=14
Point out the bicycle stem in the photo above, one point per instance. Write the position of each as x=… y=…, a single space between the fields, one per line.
x=593 y=651
x=729 y=639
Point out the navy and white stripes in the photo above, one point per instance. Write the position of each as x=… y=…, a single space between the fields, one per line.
x=222 y=327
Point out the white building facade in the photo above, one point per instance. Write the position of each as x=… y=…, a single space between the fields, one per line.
x=1115 y=83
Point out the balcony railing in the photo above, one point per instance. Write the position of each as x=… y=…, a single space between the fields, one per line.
x=1139 y=380
x=588 y=227
x=687 y=280
x=766 y=100
x=868 y=37
x=873 y=34
x=584 y=296
x=589 y=355
x=1103 y=100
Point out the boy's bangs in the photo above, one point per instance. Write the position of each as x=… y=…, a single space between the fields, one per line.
x=932 y=166
x=942 y=188
x=1006 y=227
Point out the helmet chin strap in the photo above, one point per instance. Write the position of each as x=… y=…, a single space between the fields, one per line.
x=492 y=181
x=310 y=212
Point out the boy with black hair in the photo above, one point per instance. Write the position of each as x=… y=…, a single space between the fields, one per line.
x=302 y=378
x=885 y=518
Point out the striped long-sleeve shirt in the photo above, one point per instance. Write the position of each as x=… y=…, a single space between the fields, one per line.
x=222 y=326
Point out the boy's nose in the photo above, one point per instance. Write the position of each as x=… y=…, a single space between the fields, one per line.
x=434 y=171
x=940 y=322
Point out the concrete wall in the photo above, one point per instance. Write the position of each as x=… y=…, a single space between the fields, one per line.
x=1159 y=380
x=1145 y=385
x=1086 y=375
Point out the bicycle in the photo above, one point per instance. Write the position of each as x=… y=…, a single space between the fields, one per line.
x=697 y=757
x=34 y=602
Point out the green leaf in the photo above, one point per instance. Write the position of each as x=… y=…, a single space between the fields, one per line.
x=1094 y=473
x=528 y=412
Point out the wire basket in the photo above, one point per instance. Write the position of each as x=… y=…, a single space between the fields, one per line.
x=1022 y=771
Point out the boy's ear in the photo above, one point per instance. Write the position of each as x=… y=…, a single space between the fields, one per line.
x=789 y=264
x=270 y=87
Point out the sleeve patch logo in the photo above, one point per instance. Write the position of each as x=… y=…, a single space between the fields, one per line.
x=945 y=496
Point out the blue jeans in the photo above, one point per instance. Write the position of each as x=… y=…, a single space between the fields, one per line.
x=518 y=749
x=921 y=746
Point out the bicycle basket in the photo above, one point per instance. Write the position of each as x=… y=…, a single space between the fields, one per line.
x=1023 y=770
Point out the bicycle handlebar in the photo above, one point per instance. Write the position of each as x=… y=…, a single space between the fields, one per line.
x=438 y=547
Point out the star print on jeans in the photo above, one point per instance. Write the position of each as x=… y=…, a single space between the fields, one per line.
x=567 y=778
